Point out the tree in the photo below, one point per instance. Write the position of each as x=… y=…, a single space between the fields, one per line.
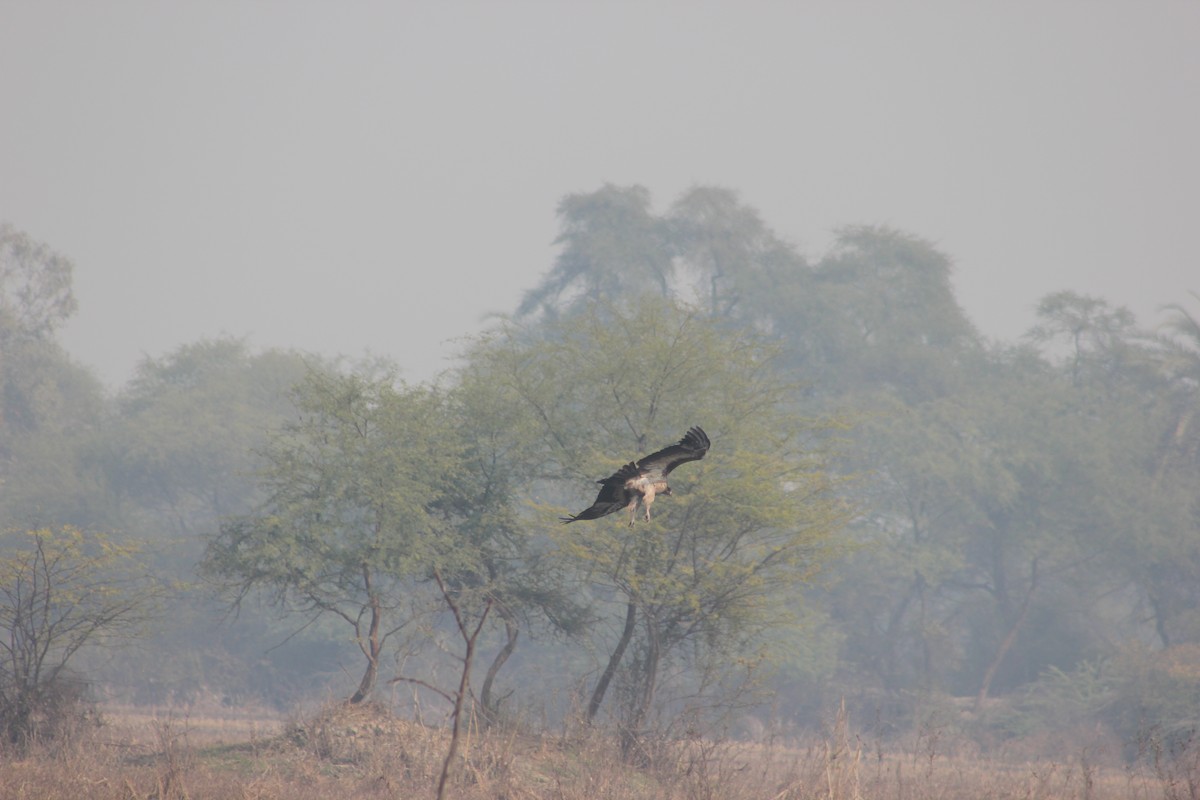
x=375 y=493
x=350 y=517
x=49 y=406
x=1143 y=388
x=459 y=697
x=1097 y=342
x=1181 y=364
x=183 y=440
x=891 y=595
x=512 y=577
x=178 y=451
x=1170 y=574
x=700 y=586
x=1156 y=381
x=61 y=591
x=611 y=245
x=992 y=515
x=35 y=287
x=884 y=315
x=725 y=245
x=51 y=416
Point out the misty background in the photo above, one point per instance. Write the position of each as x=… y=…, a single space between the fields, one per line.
x=379 y=176
x=930 y=258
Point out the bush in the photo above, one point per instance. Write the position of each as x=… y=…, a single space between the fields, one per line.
x=61 y=591
x=51 y=712
x=1157 y=702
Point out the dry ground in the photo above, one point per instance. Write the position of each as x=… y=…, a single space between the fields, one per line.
x=368 y=753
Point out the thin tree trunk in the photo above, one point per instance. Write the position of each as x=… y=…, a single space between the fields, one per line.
x=1176 y=441
x=485 y=692
x=1009 y=639
x=371 y=648
x=890 y=635
x=613 y=662
x=1160 y=617
x=632 y=730
x=464 y=681
x=926 y=651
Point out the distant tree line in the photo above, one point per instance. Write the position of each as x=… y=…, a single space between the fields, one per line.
x=896 y=512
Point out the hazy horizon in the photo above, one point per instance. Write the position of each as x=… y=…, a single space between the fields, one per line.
x=379 y=177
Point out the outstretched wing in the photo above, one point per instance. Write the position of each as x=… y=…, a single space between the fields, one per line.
x=691 y=447
x=613 y=495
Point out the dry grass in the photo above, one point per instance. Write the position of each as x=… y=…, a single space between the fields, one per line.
x=368 y=753
x=139 y=725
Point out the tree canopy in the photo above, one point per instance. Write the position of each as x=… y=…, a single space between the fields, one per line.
x=894 y=510
x=721 y=563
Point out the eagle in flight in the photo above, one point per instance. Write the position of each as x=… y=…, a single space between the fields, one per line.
x=642 y=480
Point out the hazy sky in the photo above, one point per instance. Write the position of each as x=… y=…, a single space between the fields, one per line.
x=350 y=177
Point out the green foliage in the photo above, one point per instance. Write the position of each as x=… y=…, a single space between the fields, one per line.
x=51 y=414
x=885 y=316
x=182 y=446
x=352 y=482
x=1070 y=698
x=48 y=406
x=985 y=505
x=361 y=502
x=35 y=287
x=727 y=249
x=1157 y=695
x=1017 y=508
x=499 y=461
x=723 y=560
x=612 y=245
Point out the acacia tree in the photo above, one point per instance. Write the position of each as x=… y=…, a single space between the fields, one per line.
x=699 y=587
x=350 y=520
x=509 y=575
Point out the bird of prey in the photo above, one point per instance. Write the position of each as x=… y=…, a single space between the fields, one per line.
x=644 y=479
